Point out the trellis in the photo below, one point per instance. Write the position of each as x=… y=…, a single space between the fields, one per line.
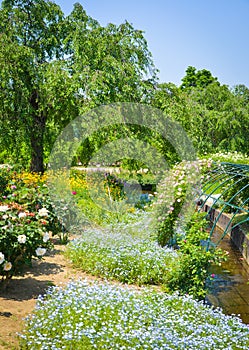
x=227 y=188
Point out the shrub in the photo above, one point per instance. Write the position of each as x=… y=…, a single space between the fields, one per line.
x=195 y=260
x=27 y=221
x=23 y=235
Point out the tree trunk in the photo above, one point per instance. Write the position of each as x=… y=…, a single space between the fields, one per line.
x=37 y=136
x=36 y=139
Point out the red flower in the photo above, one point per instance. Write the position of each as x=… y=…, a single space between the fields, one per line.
x=74 y=192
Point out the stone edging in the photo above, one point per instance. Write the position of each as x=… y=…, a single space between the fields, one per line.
x=237 y=235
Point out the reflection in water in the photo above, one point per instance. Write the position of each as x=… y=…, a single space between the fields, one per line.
x=229 y=288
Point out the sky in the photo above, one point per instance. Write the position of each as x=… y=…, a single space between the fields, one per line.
x=206 y=34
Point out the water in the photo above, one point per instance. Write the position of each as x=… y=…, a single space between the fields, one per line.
x=230 y=288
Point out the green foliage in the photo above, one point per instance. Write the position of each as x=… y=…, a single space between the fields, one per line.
x=153 y=144
x=214 y=116
x=222 y=118
x=194 y=259
x=143 y=177
x=5 y=177
x=54 y=68
x=176 y=226
x=23 y=235
x=197 y=79
x=236 y=195
x=105 y=198
x=28 y=44
x=114 y=187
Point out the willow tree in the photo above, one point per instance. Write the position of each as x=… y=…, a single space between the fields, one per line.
x=52 y=67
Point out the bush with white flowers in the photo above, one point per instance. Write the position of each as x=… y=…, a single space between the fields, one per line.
x=23 y=236
x=26 y=221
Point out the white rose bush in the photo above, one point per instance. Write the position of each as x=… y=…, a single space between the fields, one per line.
x=21 y=239
x=26 y=220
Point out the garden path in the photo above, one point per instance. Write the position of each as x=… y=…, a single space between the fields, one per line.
x=19 y=298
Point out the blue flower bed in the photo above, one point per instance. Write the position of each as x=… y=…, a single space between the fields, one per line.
x=121 y=256
x=87 y=315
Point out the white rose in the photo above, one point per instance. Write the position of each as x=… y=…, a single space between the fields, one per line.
x=22 y=215
x=40 y=251
x=46 y=237
x=1 y=258
x=4 y=208
x=7 y=266
x=43 y=212
x=21 y=238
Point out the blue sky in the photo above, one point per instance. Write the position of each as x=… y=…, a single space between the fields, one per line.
x=210 y=34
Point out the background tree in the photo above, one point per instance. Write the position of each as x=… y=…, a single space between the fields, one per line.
x=31 y=39
x=197 y=79
x=54 y=67
x=214 y=116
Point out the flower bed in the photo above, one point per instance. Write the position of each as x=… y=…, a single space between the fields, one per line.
x=102 y=316
x=122 y=256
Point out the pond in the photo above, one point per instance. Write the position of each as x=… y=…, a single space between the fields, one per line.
x=229 y=288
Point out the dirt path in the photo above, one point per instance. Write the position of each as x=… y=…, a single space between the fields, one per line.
x=19 y=299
